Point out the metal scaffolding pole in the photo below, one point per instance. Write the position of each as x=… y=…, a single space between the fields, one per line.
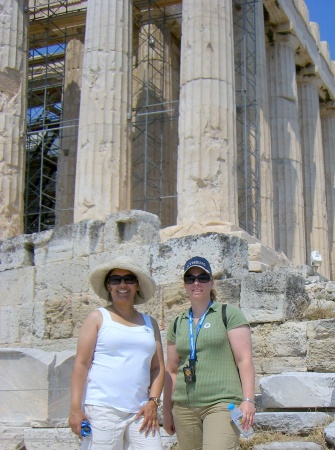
x=48 y=35
x=247 y=115
x=152 y=109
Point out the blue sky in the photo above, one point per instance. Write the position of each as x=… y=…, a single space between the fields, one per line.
x=323 y=12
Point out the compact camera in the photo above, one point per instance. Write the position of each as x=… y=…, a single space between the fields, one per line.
x=189 y=372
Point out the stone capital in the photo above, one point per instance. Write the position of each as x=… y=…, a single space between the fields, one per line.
x=287 y=38
x=310 y=77
x=327 y=109
x=282 y=34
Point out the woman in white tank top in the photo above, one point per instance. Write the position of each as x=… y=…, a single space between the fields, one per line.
x=118 y=372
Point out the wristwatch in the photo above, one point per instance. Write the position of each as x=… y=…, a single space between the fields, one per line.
x=154 y=399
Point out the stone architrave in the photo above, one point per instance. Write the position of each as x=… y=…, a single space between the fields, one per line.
x=328 y=135
x=207 y=180
x=103 y=156
x=66 y=167
x=316 y=224
x=13 y=75
x=288 y=204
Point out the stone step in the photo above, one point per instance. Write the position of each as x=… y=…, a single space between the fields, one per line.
x=291 y=422
x=294 y=445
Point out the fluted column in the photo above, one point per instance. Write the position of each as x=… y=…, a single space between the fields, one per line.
x=264 y=134
x=328 y=135
x=66 y=166
x=155 y=139
x=207 y=185
x=286 y=152
x=13 y=77
x=103 y=157
x=253 y=129
x=170 y=133
x=313 y=170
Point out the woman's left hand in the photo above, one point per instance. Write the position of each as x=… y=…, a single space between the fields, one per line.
x=150 y=418
x=248 y=410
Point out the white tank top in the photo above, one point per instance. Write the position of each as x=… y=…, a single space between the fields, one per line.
x=119 y=376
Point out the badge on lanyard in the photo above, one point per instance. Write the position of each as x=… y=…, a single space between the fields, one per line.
x=189 y=370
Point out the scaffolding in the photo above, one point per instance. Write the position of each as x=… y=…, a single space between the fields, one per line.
x=52 y=24
x=50 y=28
x=154 y=108
x=247 y=115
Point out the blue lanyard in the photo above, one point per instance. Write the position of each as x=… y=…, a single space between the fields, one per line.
x=190 y=329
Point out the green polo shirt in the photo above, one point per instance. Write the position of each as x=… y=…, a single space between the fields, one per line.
x=217 y=378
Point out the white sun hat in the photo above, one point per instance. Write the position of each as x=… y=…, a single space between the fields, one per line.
x=147 y=285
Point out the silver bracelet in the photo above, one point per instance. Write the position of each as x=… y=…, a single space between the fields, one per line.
x=246 y=399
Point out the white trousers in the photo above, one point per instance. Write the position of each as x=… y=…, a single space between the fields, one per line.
x=117 y=430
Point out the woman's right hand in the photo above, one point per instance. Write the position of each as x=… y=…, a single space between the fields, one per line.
x=85 y=350
x=75 y=419
x=168 y=424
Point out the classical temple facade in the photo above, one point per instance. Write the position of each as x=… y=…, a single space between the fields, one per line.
x=215 y=113
x=161 y=130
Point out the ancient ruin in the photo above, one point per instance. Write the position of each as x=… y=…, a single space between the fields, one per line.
x=163 y=129
x=198 y=113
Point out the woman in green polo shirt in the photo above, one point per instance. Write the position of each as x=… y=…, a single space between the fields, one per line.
x=209 y=365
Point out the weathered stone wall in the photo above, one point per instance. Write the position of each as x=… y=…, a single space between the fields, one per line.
x=45 y=291
x=45 y=295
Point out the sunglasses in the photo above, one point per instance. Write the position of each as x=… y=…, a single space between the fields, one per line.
x=202 y=278
x=117 y=279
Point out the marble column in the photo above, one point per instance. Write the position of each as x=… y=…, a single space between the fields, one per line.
x=288 y=204
x=155 y=135
x=328 y=135
x=66 y=166
x=14 y=19
x=207 y=183
x=266 y=224
x=253 y=128
x=104 y=154
x=313 y=170
x=246 y=117
x=170 y=132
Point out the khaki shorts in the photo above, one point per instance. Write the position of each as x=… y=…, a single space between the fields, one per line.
x=207 y=428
